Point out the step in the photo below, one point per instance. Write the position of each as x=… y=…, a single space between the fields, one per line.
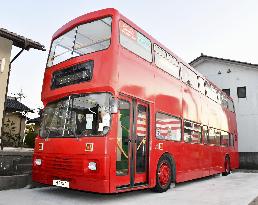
x=14 y=182
x=25 y=160
x=22 y=168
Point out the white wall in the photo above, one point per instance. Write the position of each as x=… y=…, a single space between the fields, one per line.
x=246 y=108
x=5 y=52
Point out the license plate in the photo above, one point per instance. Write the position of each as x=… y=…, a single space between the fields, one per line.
x=61 y=183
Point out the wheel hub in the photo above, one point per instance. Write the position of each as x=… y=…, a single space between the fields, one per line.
x=164 y=174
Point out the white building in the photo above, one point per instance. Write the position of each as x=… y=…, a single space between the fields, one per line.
x=7 y=41
x=240 y=81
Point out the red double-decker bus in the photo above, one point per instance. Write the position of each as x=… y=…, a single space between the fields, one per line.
x=122 y=112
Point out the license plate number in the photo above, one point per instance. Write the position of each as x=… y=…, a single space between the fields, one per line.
x=61 y=183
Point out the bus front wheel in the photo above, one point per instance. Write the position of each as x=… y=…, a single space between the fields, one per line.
x=226 y=167
x=163 y=175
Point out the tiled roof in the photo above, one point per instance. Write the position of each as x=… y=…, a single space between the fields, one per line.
x=203 y=57
x=35 y=120
x=21 y=41
x=13 y=104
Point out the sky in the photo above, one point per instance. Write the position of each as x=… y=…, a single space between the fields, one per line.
x=222 y=28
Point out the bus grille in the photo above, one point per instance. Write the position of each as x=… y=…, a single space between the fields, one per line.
x=64 y=166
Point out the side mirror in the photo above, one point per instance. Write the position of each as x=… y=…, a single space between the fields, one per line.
x=113 y=105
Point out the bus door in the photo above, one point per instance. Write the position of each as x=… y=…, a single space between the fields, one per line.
x=132 y=143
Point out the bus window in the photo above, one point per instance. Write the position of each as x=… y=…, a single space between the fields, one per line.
x=231 y=140
x=196 y=133
x=122 y=138
x=168 y=127
x=79 y=115
x=205 y=134
x=189 y=77
x=212 y=93
x=217 y=137
x=141 y=132
x=192 y=132
x=231 y=105
x=224 y=102
x=201 y=87
x=134 y=41
x=224 y=138
x=212 y=136
x=219 y=97
x=86 y=38
x=166 y=62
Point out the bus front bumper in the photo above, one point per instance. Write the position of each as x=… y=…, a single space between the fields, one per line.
x=75 y=182
x=75 y=172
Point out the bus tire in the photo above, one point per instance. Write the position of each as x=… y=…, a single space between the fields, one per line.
x=227 y=168
x=163 y=175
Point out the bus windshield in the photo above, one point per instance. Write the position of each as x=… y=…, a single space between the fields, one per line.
x=77 y=115
x=83 y=39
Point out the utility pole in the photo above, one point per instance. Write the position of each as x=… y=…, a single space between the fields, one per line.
x=19 y=95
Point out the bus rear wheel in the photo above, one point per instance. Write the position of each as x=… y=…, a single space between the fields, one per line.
x=163 y=175
x=226 y=167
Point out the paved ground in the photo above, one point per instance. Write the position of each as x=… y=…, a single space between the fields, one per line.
x=236 y=189
x=18 y=149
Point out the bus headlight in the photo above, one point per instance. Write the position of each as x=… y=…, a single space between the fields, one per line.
x=92 y=166
x=38 y=162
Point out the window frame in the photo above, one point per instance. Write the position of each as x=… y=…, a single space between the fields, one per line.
x=76 y=26
x=186 y=72
x=214 y=130
x=170 y=55
x=239 y=91
x=221 y=138
x=203 y=135
x=71 y=101
x=192 y=129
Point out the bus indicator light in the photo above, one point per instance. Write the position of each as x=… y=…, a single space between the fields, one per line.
x=89 y=147
x=41 y=146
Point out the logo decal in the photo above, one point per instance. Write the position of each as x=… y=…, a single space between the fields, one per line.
x=89 y=147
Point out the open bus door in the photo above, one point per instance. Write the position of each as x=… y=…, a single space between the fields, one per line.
x=132 y=143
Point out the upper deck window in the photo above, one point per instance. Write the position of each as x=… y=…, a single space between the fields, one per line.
x=166 y=61
x=134 y=41
x=188 y=76
x=83 y=39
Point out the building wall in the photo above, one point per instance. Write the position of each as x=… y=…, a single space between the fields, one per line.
x=5 y=52
x=19 y=123
x=246 y=108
